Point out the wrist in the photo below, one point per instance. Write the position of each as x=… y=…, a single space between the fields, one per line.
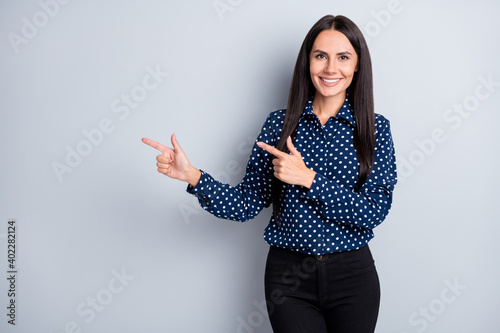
x=193 y=176
x=309 y=179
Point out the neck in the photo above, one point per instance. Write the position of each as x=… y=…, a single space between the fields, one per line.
x=326 y=107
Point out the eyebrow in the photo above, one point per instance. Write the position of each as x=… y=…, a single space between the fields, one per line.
x=339 y=53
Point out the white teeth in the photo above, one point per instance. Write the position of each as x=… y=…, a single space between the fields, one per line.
x=330 y=81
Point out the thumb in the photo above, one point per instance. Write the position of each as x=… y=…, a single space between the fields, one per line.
x=175 y=144
x=291 y=147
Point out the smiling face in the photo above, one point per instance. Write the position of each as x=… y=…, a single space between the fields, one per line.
x=332 y=64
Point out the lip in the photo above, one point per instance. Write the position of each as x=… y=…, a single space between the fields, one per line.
x=330 y=84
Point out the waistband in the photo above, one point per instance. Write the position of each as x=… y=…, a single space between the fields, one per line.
x=328 y=256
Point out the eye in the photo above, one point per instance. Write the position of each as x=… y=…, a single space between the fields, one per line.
x=344 y=57
x=320 y=56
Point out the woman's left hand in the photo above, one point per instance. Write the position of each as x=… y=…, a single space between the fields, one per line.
x=290 y=168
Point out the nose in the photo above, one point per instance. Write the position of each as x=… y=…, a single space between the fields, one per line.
x=331 y=66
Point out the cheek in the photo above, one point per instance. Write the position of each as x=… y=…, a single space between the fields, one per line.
x=314 y=68
x=349 y=70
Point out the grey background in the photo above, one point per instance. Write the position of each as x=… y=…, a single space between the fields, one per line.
x=188 y=271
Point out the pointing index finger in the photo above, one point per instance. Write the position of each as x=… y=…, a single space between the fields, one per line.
x=155 y=145
x=270 y=149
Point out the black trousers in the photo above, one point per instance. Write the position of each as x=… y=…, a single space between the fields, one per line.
x=334 y=293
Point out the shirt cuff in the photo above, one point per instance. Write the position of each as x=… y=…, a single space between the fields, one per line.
x=317 y=187
x=202 y=189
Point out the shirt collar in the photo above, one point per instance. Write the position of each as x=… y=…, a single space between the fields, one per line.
x=345 y=111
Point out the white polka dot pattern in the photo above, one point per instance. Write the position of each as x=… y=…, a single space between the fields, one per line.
x=330 y=216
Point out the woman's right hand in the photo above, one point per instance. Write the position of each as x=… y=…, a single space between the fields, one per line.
x=174 y=163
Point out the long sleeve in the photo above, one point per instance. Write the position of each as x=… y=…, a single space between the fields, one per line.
x=370 y=206
x=245 y=200
x=328 y=217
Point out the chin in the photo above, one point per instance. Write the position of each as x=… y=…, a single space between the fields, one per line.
x=331 y=93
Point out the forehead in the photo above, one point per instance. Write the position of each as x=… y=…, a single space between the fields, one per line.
x=332 y=41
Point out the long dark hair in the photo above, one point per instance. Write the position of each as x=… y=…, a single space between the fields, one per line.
x=360 y=93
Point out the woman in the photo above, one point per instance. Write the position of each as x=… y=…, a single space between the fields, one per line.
x=327 y=165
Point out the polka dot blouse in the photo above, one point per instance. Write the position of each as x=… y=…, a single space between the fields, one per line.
x=328 y=217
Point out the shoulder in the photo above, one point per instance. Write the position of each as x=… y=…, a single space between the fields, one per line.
x=275 y=119
x=277 y=116
x=383 y=136
x=382 y=124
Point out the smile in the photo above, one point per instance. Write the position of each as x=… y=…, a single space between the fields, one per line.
x=330 y=81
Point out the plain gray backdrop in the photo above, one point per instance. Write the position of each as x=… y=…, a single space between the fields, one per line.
x=106 y=244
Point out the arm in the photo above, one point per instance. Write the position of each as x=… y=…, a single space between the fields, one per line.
x=241 y=202
x=370 y=206
x=334 y=202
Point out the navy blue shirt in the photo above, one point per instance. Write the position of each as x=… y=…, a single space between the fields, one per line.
x=328 y=217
